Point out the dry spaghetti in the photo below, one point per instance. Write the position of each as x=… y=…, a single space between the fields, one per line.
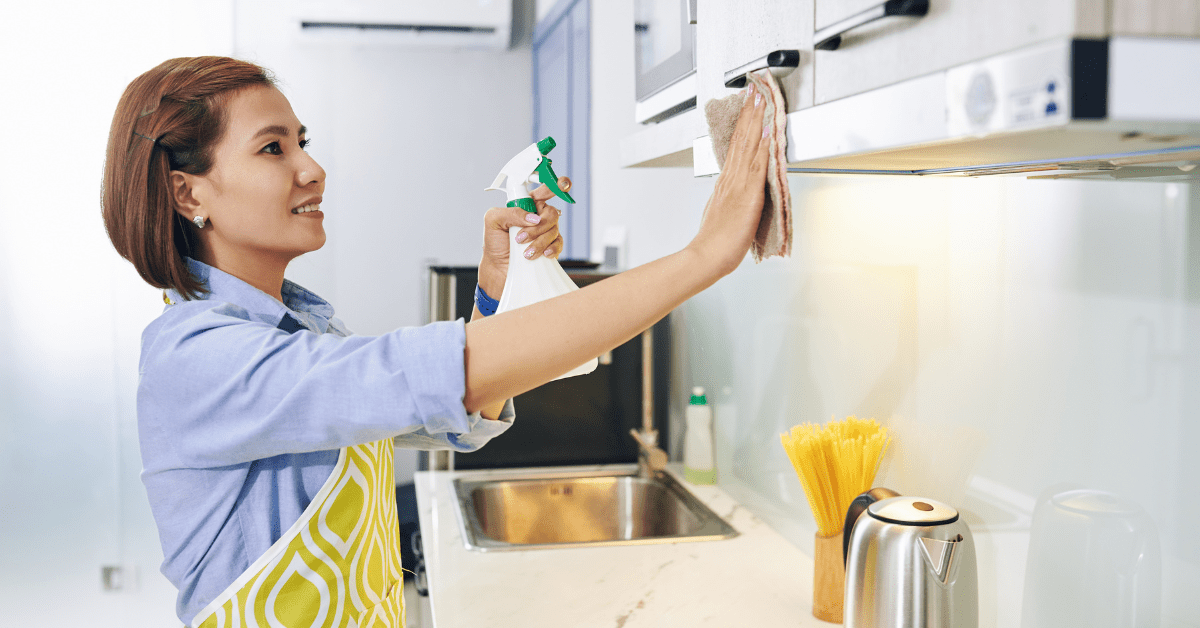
x=835 y=464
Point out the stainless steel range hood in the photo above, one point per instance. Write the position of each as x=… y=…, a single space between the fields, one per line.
x=1115 y=108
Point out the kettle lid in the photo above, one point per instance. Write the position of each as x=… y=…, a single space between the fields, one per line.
x=913 y=511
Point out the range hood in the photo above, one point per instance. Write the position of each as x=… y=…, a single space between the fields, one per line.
x=1115 y=108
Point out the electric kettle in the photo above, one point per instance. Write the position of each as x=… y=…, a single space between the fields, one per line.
x=910 y=563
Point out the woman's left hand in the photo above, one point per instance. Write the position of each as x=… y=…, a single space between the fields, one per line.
x=539 y=231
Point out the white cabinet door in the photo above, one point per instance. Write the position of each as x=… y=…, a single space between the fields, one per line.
x=731 y=33
x=1169 y=18
x=953 y=32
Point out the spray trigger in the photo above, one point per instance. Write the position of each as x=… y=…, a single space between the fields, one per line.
x=549 y=179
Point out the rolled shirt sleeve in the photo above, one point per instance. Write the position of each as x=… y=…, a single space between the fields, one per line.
x=224 y=389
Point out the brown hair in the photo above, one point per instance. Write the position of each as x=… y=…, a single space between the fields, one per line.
x=169 y=118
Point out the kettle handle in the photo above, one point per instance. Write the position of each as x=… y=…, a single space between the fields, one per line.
x=857 y=507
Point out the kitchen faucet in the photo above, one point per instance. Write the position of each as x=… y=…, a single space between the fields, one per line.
x=651 y=458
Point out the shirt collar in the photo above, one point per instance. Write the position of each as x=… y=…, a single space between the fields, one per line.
x=301 y=304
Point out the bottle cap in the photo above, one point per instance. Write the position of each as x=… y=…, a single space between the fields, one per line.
x=698 y=398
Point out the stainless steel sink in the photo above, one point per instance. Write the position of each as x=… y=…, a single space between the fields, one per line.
x=582 y=509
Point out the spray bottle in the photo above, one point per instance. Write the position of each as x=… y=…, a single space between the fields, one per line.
x=538 y=279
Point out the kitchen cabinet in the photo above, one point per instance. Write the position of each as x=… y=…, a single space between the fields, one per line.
x=892 y=87
x=894 y=49
x=952 y=32
x=731 y=33
x=899 y=52
x=1164 y=18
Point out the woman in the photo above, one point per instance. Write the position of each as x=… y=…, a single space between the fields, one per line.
x=266 y=428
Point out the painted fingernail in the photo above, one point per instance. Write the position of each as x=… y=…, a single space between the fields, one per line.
x=532 y=218
x=758 y=100
x=528 y=253
x=766 y=131
x=549 y=252
x=522 y=236
x=750 y=89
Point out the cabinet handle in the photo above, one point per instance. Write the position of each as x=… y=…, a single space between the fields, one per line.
x=736 y=78
x=830 y=37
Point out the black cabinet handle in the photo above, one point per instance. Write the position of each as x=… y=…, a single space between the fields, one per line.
x=830 y=37
x=736 y=78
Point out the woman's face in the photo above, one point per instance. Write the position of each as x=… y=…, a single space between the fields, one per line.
x=262 y=196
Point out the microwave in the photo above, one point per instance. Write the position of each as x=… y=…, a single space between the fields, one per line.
x=664 y=38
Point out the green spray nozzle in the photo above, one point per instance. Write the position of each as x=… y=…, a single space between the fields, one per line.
x=546 y=173
x=549 y=179
x=519 y=170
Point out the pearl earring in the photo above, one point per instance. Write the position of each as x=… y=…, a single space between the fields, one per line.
x=199 y=222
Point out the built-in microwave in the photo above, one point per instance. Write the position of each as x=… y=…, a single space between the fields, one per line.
x=665 y=58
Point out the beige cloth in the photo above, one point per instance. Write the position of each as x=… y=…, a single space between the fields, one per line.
x=774 y=235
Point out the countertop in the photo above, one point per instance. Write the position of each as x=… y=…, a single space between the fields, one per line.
x=755 y=579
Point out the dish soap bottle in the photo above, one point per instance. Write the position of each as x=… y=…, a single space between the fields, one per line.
x=698 y=467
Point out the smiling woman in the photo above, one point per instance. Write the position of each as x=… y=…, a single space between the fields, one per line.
x=261 y=200
x=169 y=120
x=267 y=428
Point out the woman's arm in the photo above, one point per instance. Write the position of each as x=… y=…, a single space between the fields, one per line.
x=510 y=353
x=491 y=411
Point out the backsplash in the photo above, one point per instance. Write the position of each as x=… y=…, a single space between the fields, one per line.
x=1021 y=338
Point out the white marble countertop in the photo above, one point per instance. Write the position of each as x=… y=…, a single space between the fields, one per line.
x=755 y=579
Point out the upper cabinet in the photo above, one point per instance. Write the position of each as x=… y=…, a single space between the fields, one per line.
x=733 y=33
x=897 y=76
x=1166 y=18
x=888 y=50
x=885 y=42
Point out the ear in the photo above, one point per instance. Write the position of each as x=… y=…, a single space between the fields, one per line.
x=183 y=192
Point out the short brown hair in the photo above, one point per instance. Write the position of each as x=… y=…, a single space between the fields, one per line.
x=169 y=118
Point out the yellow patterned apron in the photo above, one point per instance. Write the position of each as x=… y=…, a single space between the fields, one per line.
x=339 y=565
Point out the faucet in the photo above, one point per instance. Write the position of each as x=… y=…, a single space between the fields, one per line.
x=651 y=458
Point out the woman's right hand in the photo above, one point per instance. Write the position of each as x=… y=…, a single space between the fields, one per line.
x=735 y=208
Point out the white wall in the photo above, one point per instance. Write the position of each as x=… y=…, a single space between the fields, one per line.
x=71 y=313
x=1019 y=336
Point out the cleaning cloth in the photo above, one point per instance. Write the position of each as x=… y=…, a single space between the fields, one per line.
x=774 y=235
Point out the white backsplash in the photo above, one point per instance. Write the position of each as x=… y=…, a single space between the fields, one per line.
x=1020 y=337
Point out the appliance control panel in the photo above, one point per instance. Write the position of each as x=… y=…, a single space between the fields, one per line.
x=1012 y=92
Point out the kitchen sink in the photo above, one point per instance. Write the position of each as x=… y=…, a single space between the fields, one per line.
x=554 y=509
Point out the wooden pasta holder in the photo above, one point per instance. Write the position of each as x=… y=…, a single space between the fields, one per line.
x=829 y=578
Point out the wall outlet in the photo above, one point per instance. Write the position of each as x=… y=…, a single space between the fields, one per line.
x=112 y=577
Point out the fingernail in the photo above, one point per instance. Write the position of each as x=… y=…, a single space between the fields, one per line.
x=766 y=131
x=532 y=218
x=522 y=236
x=757 y=100
x=750 y=89
x=549 y=252
x=528 y=253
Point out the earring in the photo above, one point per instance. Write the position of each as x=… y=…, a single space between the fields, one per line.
x=199 y=222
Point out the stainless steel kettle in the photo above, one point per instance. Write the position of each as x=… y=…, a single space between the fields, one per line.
x=910 y=563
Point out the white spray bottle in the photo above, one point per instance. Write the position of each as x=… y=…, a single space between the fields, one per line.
x=537 y=279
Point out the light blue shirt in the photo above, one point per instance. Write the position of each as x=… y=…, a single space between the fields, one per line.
x=240 y=421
